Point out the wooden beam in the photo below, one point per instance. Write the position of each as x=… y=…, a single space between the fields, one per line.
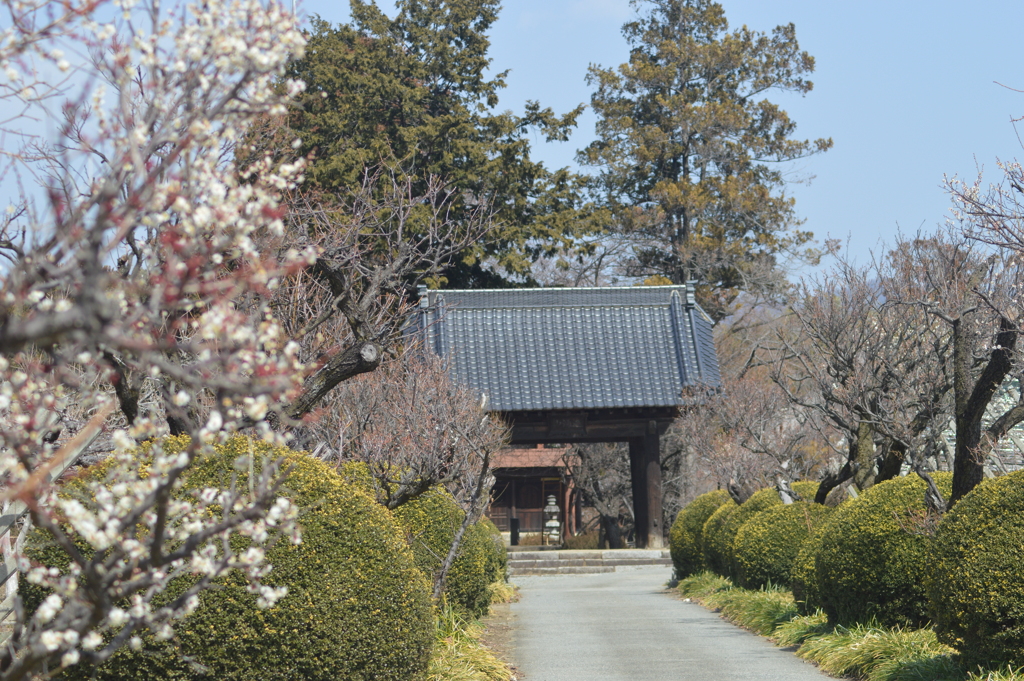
x=582 y=427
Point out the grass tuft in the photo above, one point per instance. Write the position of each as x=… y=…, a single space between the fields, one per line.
x=1004 y=674
x=879 y=654
x=801 y=629
x=458 y=654
x=702 y=585
x=503 y=592
x=760 y=611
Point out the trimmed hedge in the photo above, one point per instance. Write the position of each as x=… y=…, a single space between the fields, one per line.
x=759 y=501
x=873 y=559
x=976 y=590
x=766 y=546
x=719 y=532
x=806 y=489
x=804 y=575
x=497 y=555
x=357 y=607
x=716 y=539
x=686 y=538
x=431 y=521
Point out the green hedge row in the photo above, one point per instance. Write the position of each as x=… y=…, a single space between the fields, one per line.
x=872 y=561
x=430 y=523
x=882 y=558
x=358 y=604
x=766 y=546
x=686 y=537
x=704 y=533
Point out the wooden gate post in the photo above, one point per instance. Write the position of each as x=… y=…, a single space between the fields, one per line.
x=645 y=470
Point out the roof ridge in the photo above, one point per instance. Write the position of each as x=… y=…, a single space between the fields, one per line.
x=663 y=287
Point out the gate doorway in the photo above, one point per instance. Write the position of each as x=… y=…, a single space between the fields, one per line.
x=572 y=365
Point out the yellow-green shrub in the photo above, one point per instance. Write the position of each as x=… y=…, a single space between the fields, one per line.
x=431 y=521
x=719 y=532
x=874 y=556
x=759 y=501
x=804 y=575
x=686 y=536
x=976 y=589
x=716 y=539
x=357 y=607
x=497 y=556
x=806 y=489
x=766 y=546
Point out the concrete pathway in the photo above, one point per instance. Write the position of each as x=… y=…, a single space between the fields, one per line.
x=623 y=626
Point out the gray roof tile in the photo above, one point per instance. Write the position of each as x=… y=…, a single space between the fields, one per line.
x=592 y=348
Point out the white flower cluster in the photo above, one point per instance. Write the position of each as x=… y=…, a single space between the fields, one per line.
x=144 y=289
x=125 y=532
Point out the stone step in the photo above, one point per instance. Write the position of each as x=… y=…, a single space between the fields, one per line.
x=580 y=562
x=627 y=562
x=578 y=554
x=584 y=562
x=564 y=570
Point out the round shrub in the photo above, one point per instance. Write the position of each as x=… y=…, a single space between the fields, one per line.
x=766 y=546
x=715 y=540
x=976 y=590
x=874 y=557
x=804 y=575
x=431 y=521
x=686 y=535
x=759 y=501
x=357 y=606
x=806 y=489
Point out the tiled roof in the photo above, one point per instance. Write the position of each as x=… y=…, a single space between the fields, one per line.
x=573 y=348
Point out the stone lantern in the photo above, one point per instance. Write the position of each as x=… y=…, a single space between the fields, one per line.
x=552 y=526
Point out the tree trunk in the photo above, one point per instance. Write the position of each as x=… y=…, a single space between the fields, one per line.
x=352 y=361
x=859 y=455
x=612 y=532
x=863 y=455
x=971 y=402
x=890 y=465
x=831 y=481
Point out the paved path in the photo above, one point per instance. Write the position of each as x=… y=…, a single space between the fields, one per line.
x=624 y=626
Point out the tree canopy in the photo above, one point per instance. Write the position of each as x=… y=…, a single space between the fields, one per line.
x=690 y=152
x=412 y=92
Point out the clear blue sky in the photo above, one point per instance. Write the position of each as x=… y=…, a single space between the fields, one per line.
x=907 y=89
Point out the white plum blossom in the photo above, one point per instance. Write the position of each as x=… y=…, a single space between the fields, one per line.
x=50 y=640
x=49 y=607
x=133 y=310
x=92 y=641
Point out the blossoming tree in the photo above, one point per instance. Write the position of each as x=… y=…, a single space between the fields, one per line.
x=132 y=304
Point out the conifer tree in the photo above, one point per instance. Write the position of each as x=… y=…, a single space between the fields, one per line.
x=412 y=91
x=690 y=152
